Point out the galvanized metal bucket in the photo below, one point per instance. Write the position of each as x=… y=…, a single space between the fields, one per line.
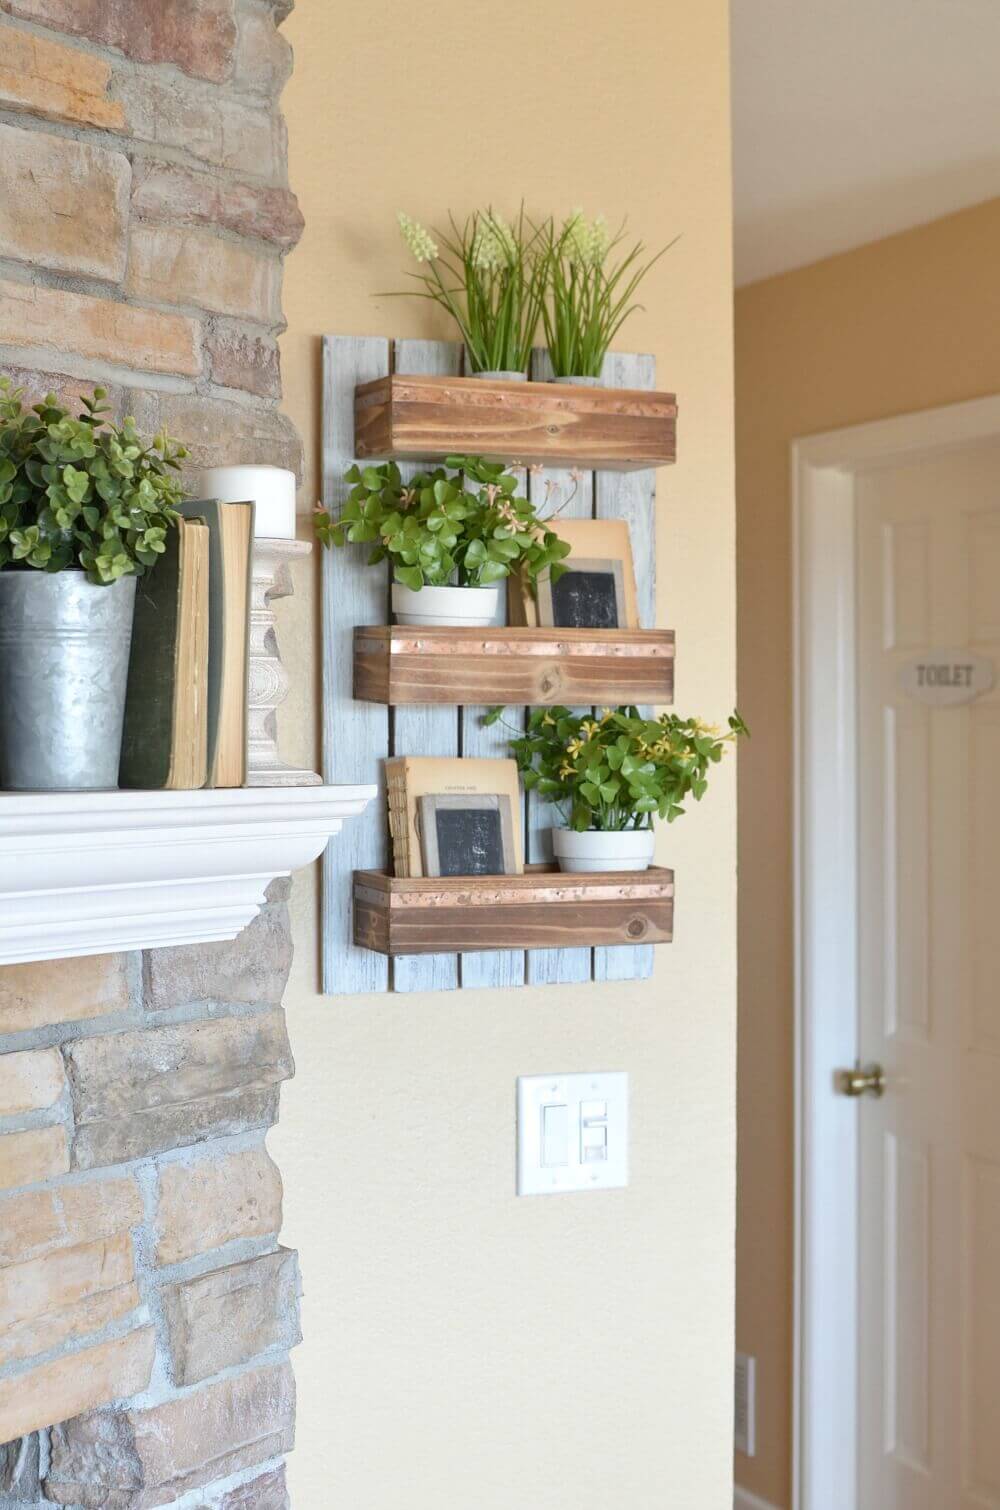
x=64 y=649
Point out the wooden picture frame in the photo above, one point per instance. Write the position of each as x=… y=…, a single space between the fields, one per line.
x=599 y=549
x=441 y=836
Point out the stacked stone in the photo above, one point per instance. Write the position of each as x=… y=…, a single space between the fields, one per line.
x=145 y=212
x=146 y=1307
x=145 y=1303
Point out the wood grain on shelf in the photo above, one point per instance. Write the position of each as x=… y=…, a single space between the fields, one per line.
x=422 y=418
x=543 y=909
x=399 y=665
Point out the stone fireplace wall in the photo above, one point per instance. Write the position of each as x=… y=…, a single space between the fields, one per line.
x=146 y=1306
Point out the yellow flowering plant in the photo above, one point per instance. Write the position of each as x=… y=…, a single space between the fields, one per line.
x=590 y=295
x=490 y=277
x=621 y=770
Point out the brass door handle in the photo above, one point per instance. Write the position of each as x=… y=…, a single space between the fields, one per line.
x=862 y=1082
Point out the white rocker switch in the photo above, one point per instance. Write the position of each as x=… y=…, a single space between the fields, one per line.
x=555 y=1137
x=572 y=1132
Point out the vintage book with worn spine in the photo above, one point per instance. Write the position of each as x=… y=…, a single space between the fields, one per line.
x=165 y=735
x=230 y=527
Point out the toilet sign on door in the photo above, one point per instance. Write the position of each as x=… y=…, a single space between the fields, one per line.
x=946 y=677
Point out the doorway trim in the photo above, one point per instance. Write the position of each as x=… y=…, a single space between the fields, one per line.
x=825 y=1364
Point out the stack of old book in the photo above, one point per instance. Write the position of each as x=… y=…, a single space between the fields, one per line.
x=454 y=817
x=186 y=704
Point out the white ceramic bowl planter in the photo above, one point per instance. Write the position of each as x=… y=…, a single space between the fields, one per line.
x=459 y=607
x=625 y=849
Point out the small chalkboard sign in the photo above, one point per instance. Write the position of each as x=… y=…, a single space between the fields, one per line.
x=467 y=835
x=590 y=595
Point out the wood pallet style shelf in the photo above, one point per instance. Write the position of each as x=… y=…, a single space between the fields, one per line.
x=358 y=733
x=543 y=909
x=398 y=665
x=427 y=418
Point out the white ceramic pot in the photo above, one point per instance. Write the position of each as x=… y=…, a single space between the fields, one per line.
x=578 y=382
x=458 y=607
x=502 y=377
x=631 y=849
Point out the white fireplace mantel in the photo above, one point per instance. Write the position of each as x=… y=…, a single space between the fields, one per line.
x=98 y=872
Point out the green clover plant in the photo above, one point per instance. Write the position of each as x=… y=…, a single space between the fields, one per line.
x=82 y=492
x=619 y=771
x=436 y=529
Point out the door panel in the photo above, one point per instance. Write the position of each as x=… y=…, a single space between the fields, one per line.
x=929 y=991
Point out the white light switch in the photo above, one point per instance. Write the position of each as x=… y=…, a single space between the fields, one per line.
x=555 y=1136
x=572 y=1132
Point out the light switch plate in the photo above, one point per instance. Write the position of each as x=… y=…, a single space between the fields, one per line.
x=572 y=1132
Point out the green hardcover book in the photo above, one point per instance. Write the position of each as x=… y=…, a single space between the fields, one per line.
x=230 y=528
x=165 y=735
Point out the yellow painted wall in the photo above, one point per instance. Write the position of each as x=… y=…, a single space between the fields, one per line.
x=464 y=1348
x=904 y=324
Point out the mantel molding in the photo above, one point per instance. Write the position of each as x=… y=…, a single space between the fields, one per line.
x=99 y=872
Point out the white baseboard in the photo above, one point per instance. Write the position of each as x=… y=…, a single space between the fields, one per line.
x=744 y=1500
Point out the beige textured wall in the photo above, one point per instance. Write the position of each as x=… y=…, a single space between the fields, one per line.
x=463 y=1347
x=904 y=324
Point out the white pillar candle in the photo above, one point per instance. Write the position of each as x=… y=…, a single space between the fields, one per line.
x=271 y=488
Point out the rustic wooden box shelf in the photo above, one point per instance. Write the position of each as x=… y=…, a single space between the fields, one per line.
x=543 y=909
x=467 y=667
x=427 y=418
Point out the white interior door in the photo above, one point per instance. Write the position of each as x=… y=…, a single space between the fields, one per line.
x=928 y=542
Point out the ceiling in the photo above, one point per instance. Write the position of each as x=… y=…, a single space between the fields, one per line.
x=853 y=119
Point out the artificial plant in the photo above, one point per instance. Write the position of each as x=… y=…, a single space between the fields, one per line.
x=490 y=278
x=618 y=771
x=436 y=529
x=590 y=291
x=82 y=491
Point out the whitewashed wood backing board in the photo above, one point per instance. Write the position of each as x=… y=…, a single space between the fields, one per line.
x=575 y=500
x=630 y=496
x=425 y=729
x=355 y=735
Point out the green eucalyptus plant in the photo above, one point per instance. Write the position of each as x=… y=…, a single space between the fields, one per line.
x=619 y=771
x=82 y=492
x=491 y=280
x=591 y=294
x=435 y=529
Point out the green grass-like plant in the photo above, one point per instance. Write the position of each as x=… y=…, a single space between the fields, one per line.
x=436 y=530
x=82 y=492
x=490 y=278
x=590 y=292
x=619 y=771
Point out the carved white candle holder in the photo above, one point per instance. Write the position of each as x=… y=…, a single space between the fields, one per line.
x=269 y=683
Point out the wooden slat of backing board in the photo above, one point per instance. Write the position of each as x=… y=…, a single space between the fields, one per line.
x=355 y=735
x=543 y=907
x=525 y=422
x=425 y=729
x=492 y=967
x=405 y=666
x=550 y=966
x=630 y=496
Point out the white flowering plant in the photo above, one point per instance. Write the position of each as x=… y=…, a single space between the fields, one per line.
x=591 y=291
x=490 y=277
x=435 y=529
x=619 y=771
